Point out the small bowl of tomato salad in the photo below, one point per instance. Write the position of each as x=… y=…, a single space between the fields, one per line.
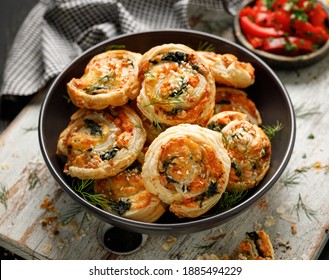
x=284 y=33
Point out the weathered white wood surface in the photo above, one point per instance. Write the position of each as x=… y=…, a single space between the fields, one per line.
x=31 y=228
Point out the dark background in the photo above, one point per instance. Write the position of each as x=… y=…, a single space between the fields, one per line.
x=12 y=15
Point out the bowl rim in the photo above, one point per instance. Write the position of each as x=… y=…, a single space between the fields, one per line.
x=279 y=61
x=165 y=228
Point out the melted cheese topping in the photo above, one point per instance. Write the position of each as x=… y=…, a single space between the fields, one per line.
x=128 y=187
x=110 y=78
x=228 y=70
x=177 y=86
x=188 y=168
x=250 y=152
x=231 y=99
x=101 y=143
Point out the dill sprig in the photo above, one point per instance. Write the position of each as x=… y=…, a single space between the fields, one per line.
x=120 y=206
x=33 y=179
x=171 y=98
x=4 y=194
x=67 y=98
x=290 y=178
x=302 y=112
x=115 y=47
x=301 y=206
x=207 y=247
x=102 y=83
x=85 y=188
x=29 y=129
x=230 y=199
x=272 y=130
x=206 y=47
x=66 y=217
x=72 y=213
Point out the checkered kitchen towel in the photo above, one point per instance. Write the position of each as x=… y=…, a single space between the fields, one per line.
x=56 y=31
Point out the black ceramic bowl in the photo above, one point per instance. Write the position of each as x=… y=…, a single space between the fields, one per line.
x=275 y=60
x=268 y=93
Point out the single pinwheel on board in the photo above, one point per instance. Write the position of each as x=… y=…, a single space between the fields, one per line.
x=109 y=79
x=256 y=245
x=101 y=143
x=176 y=86
x=188 y=168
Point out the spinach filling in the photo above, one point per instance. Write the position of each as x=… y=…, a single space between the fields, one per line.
x=180 y=91
x=237 y=167
x=174 y=111
x=255 y=237
x=120 y=206
x=165 y=166
x=109 y=154
x=211 y=191
x=175 y=57
x=95 y=129
x=215 y=126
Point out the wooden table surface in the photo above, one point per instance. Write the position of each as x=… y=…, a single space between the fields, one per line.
x=32 y=217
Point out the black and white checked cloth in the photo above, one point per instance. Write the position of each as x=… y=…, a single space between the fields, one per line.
x=56 y=31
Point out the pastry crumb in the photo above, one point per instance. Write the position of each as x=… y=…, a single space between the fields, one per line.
x=169 y=243
x=293 y=229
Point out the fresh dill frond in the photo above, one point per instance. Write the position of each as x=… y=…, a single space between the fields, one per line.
x=72 y=213
x=85 y=188
x=230 y=199
x=301 y=206
x=272 y=130
x=290 y=178
x=303 y=169
x=29 y=129
x=157 y=125
x=102 y=83
x=207 y=247
x=302 y=112
x=67 y=98
x=34 y=179
x=4 y=194
x=311 y=136
x=115 y=47
x=66 y=217
x=206 y=47
x=172 y=98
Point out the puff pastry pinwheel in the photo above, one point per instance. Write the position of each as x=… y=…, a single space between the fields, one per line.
x=176 y=86
x=128 y=196
x=187 y=167
x=249 y=149
x=110 y=78
x=219 y=121
x=228 y=70
x=101 y=143
x=231 y=99
x=256 y=246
